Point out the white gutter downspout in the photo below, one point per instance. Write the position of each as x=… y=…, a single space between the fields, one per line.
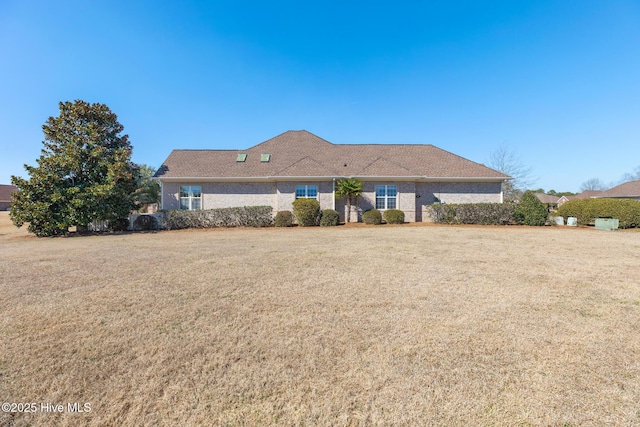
x=334 y=194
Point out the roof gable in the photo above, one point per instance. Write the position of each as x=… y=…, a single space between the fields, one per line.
x=302 y=154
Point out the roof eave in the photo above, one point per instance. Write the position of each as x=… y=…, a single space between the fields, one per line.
x=328 y=177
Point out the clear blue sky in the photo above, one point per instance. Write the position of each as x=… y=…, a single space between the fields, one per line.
x=556 y=81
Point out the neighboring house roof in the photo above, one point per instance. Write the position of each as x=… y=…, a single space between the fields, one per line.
x=546 y=198
x=629 y=189
x=303 y=154
x=586 y=195
x=5 y=192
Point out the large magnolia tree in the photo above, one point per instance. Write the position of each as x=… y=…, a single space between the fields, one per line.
x=84 y=173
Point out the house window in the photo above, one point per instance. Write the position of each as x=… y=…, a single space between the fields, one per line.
x=306 y=192
x=386 y=197
x=190 y=197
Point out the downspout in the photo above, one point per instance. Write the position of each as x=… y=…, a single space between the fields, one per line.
x=334 y=194
x=161 y=195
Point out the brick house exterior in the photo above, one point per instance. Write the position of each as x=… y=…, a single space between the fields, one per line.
x=295 y=164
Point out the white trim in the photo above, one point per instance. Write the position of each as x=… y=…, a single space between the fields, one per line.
x=386 y=197
x=190 y=198
x=306 y=191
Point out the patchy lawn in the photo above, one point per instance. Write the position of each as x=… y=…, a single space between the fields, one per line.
x=422 y=325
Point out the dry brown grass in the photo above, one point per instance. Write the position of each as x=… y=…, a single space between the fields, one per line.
x=324 y=326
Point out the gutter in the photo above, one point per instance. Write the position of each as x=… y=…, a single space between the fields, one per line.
x=325 y=178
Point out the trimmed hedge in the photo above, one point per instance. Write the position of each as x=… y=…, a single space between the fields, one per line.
x=329 y=218
x=245 y=216
x=474 y=213
x=372 y=216
x=307 y=212
x=284 y=219
x=393 y=216
x=530 y=210
x=587 y=210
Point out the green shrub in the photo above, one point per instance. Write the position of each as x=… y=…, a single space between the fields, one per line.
x=587 y=210
x=245 y=216
x=307 y=212
x=284 y=219
x=393 y=216
x=145 y=222
x=530 y=210
x=329 y=218
x=474 y=213
x=372 y=216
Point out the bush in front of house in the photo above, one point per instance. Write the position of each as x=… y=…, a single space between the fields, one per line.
x=284 y=219
x=329 y=218
x=245 y=216
x=587 y=210
x=530 y=210
x=393 y=216
x=372 y=216
x=307 y=212
x=473 y=213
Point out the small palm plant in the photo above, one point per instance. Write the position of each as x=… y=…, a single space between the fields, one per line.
x=350 y=189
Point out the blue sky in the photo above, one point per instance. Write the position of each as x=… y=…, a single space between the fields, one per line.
x=558 y=82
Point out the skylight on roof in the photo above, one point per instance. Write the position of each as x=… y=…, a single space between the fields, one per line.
x=265 y=158
x=241 y=157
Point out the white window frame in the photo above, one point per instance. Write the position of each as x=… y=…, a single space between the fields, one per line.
x=306 y=191
x=386 y=197
x=190 y=198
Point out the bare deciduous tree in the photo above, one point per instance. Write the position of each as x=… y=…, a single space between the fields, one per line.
x=593 y=184
x=507 y=161
x=633 y=176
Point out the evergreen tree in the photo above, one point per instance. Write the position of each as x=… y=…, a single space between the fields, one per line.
x=530 y=210
x=84 y=173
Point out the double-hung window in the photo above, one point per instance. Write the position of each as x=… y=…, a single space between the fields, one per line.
x=306 y=192
x=386 y=197
x=190 y=197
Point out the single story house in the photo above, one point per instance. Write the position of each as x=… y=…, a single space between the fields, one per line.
x=299 y=164
x=550 y=201
x=627 y=190
x=5 y=196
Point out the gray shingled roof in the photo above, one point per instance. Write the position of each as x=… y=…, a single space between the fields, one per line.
x=627 y=189
x=302 y=154
x=546 y=198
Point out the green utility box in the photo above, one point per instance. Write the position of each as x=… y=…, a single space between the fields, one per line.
x=607 y=223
